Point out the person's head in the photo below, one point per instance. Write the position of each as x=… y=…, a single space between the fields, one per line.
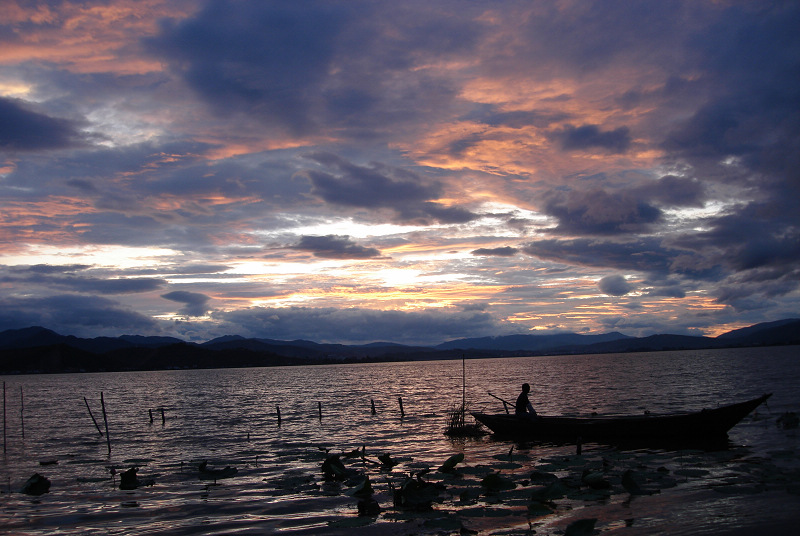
x=526 y=388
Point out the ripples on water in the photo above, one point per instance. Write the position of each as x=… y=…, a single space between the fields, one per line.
x=228 y=417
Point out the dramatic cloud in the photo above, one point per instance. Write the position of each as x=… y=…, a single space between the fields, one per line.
x=65 y=277
x=599 y=212
x=591 y=137
x=494 y=162
x=356 y=325
x=79 y=315
x=379 y=186
x=195 y=304
x=335 y=247
x=22 y=129
x=355 y=67
x=506 y=251
x=673 y=191
x=614 y=285
x=639 y=255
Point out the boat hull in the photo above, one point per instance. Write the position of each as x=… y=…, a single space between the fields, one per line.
x=706 y=424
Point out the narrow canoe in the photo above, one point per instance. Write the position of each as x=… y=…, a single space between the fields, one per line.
x=705 y=424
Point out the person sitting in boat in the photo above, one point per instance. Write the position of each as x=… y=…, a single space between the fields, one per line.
x=523 y=407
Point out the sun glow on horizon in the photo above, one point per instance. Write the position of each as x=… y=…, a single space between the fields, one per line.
x=114 y=257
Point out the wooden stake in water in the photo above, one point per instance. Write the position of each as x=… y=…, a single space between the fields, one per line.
x=150 y=412
x=371 y=401
x=463 y=390
x=4 y=416
x=402 y=413
x=319 y=408
x=92 y=416
x=105 y=420
x=21 y=409
x=279 y=414
x=463 y=383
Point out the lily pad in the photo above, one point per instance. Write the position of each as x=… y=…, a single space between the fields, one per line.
x=450 y=464
x=36 y=485
x=362 y=488
x=550 y=492
x=538 y=509
x=581 y=527
x=496 y=482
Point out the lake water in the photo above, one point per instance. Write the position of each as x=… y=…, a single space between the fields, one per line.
x=228 y=417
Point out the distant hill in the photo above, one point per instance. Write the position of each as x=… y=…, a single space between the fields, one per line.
x=781 y=329
x=530 y=343
x=38 y=349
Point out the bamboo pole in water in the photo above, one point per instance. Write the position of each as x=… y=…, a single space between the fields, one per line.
x=99 y=431
x=463 y=390
x=105 y=420
x=4 y=417
x=21 y=410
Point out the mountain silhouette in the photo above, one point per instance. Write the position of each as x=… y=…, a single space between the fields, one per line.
x=37 y=349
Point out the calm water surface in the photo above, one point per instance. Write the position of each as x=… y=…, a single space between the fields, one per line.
x=228 y=418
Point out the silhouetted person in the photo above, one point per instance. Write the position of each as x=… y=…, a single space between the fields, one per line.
x=523 y=406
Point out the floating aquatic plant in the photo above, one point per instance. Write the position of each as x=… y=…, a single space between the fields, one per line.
x=36 y=485
x=450 y=464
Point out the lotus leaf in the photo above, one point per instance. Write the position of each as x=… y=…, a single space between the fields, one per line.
x=450 y=464
x=495 y=482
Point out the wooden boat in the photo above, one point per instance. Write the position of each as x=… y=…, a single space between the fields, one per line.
x=707 y=424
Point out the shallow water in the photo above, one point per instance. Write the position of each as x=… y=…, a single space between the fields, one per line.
x=228 y=417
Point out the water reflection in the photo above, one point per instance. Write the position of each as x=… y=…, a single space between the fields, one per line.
x=228 y=417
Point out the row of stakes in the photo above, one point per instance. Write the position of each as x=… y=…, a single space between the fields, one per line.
x=371 y=401
x=150 y=411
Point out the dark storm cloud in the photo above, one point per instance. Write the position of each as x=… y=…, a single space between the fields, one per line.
x=764 y=236
x=588 y=37
x=506 y=251
x=357 y=325
x=335 y=247
x=195 y=304
x=22 y=129
x=72 y=314
x=585 y=137
x=94 y=172
x=48 y=268
x=673 y=291
x=749 y=134
x=646 y=255
x=750 y=59
x=744 y=294
x=489 y=115
x=599 y=212
x=381 y=187
x=673 y=191
x=263 y=58
x=665 y=285
x=65 y=277
x=614 y=285
x=173 y=199
x=304 y=65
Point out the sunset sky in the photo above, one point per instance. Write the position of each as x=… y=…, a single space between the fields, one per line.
x=415 y=171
